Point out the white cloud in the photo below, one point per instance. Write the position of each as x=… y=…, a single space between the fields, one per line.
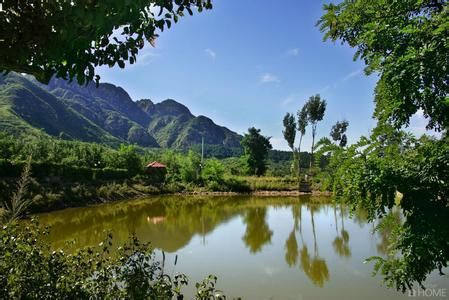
x=341 y=80
x=211 y=53
x=293 y=52
x=352 y=74
x=296 y=98
x=144 y=58
x=288 y=100
x=325 y=89
x=268 y=78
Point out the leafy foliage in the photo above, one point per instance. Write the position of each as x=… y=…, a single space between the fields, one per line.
x=213 y=172
x=190 y=167
x=44 y=149
x=338 y=132
x=17 y=207
x=289 y=130
x=256 y=148
x=29 y=269
x=127 y=158
x=69 y=39
x=369 y=175
x=406 y=43
x=303 y=120
x=315 y=108
x=290 y=135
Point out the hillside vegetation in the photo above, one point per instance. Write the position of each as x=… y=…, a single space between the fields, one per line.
x=106 y=114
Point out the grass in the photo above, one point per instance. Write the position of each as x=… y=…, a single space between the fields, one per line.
x=54 y=195
x=265 y=183
x=19 y=202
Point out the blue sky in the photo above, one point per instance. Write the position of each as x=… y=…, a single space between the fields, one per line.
x=246 y=63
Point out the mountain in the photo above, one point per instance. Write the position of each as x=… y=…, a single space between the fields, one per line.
x=103 y=114
x=174 y=126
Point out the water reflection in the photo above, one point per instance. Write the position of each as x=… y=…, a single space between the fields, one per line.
x=385 y=232
x=341 y=241
x=292 y=233
x=257 y=232
x=314 y=267
x=291 y=249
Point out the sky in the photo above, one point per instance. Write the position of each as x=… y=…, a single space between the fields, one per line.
x=247 y=63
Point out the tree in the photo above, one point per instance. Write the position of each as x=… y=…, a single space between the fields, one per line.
x=70 y=38
x=256 y=147
x=338 y=132
x=406 y=43
x=129 y=159
x=213 y=171
x=315 y=111
x=258 y=232
x=290 y=130
x=290 y=134
x=303 y=121
x=189 y=167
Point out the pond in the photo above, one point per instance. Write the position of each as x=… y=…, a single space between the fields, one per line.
x=259 y=247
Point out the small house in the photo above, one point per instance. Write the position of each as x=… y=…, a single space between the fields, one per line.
x=156 y=171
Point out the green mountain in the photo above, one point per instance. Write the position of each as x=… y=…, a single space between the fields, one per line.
x=174 y=126
x=105 y=114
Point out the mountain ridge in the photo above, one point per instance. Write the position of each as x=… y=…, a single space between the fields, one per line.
x=106 y=114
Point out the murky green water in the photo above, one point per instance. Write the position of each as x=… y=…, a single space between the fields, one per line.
x=259 y=247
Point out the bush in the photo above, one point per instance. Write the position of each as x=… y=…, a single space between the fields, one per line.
x=45 y=170
x=213 y=172
x=237 y=185
x=189 y=167
x=30 y=270
x=112 y=174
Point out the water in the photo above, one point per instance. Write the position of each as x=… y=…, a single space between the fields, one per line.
x=259 y=247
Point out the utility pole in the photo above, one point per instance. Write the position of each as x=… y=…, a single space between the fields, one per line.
x=202 y=152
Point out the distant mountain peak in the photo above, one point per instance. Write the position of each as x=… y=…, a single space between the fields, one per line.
x=172 y=107
x=146 y=105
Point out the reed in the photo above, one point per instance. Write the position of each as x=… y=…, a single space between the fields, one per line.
x=19 y=203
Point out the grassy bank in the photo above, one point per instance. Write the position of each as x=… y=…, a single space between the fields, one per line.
x=270 y=183
x=48 y=195
x=71 y=173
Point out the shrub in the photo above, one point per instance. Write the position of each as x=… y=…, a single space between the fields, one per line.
x=189 y=167
x=237 y=185
x=30 y=270
x=19 y=203
x=213 y=172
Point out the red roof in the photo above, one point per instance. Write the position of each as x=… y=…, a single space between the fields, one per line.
x=156 y=164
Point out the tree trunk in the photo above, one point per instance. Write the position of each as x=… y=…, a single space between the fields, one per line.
x=314 y=233
x=313 y=145
x=299 y=163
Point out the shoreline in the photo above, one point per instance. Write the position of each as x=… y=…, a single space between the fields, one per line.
x=261 y=193
x=254 y=193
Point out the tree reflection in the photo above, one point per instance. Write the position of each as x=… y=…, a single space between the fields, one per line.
x=291 y=244
x=257 y=232
x=385 y=231
x=314 y=267
x=341 y=242
x=291 y=247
